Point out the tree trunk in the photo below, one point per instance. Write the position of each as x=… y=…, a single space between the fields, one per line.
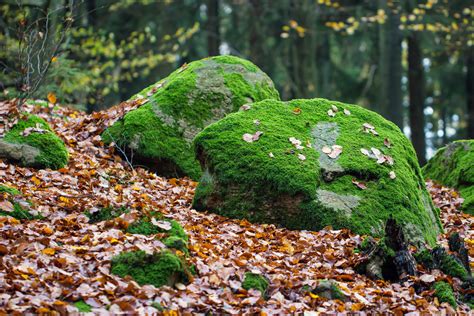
x=390 y=67
x=212 y=27
x=470 y=93
x=416 y=95
x=257 y=52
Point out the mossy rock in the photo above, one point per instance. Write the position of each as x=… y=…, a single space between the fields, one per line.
x=452 y=166
x=330 y=290
x=267 y=164
x=159 y=133
x=444 y=292
x=164 y=268
x=37 y=147
x=256 y=281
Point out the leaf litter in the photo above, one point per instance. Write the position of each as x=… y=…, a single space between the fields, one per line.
x=48 y=264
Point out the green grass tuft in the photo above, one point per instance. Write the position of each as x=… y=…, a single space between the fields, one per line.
x=256 y=282
x=106 y=214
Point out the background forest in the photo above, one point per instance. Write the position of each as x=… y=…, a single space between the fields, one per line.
x=411 y=61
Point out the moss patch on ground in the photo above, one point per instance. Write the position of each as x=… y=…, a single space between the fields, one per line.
x=444 y=293
x=452 y=166
x=83 y=307
x=106 y=214
x=255 y=281
x=14 y=205
x=160 y=132
x=164 y=268
x=52 y=151
x=284 y=177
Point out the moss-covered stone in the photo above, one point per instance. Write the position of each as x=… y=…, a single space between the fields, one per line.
x=329 y=289
x=160 y=132
x=255 y=281
x=444 y=293
x=449 y=264
x=277 y=179
x=44 y=149
x=164 y=268
x=452 y=166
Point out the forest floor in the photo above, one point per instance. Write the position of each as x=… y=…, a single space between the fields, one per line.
x=46 y=265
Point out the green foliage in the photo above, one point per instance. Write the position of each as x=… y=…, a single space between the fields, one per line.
x=19 y=212
x=53 y=153
x=164 y=268
x=453 y=166
x=9 y=190
x=444 y=293
x=106 y=213
x=180 y=105
x=243 y=181
x=256 y=282
x=177 y=243
x=83 y=307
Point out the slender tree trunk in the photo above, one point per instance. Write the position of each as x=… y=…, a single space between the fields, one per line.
x=257 y=52
x=213 y=33
x=417 y=96
x=470 y=93
x=390 y=67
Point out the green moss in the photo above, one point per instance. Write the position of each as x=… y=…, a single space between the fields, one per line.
x=9 y=190
x=177 y=243
x=241 y=180
x=158 y=306
x=330 y=290
x=425 y=258
x=144 y=226
x=164 y=268
x=53 y=153
x=449 y=265
x=83 y=307
x=452 y=167
x=106 y=213
x=159 y=133
x=256 y=282
x=444 y=293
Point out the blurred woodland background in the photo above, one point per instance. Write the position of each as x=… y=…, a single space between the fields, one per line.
x=412 y=61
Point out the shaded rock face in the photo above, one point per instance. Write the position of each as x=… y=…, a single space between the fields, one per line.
x=306 y=164
x=453 y=166
x=159 y=134
x=32 y=143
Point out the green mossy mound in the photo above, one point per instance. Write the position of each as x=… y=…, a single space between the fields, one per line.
x=164 y=268
x=444 y=293
x=160 y=132
x=453 y=166
x=255 y=281
x=267 y=164
x=40 y=148
x=330 y=290
x=144 y=226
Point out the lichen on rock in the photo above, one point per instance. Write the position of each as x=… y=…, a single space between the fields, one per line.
x=32 y=143
x=305 y=169
x=159 y=133
x=453 y=166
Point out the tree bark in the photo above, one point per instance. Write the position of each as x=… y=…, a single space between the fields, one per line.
x=212 y=27
x=470 y=93
x=257 y=52
x=390 y=67
x=417 y=96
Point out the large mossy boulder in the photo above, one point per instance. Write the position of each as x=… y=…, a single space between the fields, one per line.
x=32 y=143
x=306 y=164
x=453 y=166
x=159 y=133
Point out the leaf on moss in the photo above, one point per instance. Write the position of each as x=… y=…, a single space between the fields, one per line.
x=297 y=111
x=392 y=175
x=161 y=224
x=361 y=185
x=301 y=157
x=336 y=151
x=347 y=112
x=245 y=107
x=331 y=113
x=387 y=143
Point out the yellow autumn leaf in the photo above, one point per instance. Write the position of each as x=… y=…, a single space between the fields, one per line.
x=313 y=295
x=49 y=251
x=54 y=59
x=52 y=98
